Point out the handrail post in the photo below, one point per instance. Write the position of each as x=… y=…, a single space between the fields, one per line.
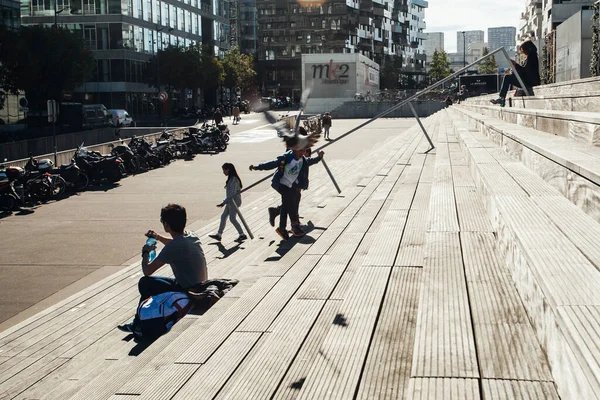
x=238 y=212
x=515 y=72
x=412 y=108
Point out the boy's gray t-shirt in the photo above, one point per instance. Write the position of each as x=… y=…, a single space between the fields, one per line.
x=186 y=257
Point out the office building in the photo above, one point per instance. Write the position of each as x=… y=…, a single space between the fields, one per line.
x=373 y=28
x=465 y=38
x=435 y=41
x=9 y=10
x=124 y=35
x=504 y=36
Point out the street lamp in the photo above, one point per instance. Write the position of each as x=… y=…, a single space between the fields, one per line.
x=464 y=48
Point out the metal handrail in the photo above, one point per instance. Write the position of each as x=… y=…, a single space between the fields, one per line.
x=408 y=102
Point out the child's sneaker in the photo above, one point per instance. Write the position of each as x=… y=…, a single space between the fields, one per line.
x=241 y=238
x=297 y=231
x=282 y=234
x=499 y=101
x=216 y=236
x=127 y=328
x=273 y=213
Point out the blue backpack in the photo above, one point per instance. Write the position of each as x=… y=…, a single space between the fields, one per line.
x=157 y=314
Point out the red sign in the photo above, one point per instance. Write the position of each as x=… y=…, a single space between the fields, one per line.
x=162 y=96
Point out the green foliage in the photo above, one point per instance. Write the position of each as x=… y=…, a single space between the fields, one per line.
x=390 y=73
x=489 y=65
x=179 y=68
x=545 y=75
x=440 y=66
x=44 y=62
x=239 y=69
x=595 y=61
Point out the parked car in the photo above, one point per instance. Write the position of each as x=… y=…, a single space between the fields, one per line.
x=73 y=117
x=121 y=118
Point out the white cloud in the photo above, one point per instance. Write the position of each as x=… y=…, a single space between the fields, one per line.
x=450 y=16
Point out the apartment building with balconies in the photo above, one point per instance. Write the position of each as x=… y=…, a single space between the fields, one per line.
x=374 y=28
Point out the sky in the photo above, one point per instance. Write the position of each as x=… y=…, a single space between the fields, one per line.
x=450 y=16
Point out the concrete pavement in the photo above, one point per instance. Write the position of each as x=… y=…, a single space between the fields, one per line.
x=66 y=245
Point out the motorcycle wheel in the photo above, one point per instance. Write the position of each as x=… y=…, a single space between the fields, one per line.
x=226 y=137
x=82 y=182
x=154 y=162
x=7 y=202
x=223 y=147
x=133 y=166
x=114 y=175
x=59 y=186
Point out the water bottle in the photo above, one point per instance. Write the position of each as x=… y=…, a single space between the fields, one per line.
x=151 y=242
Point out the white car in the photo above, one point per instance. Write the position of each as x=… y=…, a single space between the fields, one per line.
x=121 y=118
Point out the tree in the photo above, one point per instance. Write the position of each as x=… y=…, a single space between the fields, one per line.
x=489 y=65
x=239 y=69
x=44 y=62
x=440 y=66
x=390 y=73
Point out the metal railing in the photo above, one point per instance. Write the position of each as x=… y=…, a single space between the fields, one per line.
x=408 y=102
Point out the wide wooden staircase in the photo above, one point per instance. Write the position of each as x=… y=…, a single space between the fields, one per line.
x=467 y=272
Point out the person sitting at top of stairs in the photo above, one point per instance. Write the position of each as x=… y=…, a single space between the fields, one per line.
x=529 y=72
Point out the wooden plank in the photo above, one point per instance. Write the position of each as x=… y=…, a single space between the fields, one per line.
x=210 y=340
x=498 y=181
x=461 y=176
x=442 y=205
x=364 y=219
x=472 y=215
x=513 y=389
x=580 y=326
x=326 y=240
x=565 y=276
x=581 y=230
x=444 y=345
x=335 y=374
x=343 y=286
x=507 y=347
x=139 y=382
x=309 y=352
x=443 y=389
x=388 y=365
x=531 y=183
x=325 y=276
x=263 y=315
x=211 y=377
x=259 y=376
x=411 y=249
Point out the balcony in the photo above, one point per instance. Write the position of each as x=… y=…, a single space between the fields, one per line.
x=420 y=3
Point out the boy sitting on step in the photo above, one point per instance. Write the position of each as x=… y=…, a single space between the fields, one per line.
x=182 y=252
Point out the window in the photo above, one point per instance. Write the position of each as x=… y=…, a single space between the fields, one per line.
x=333 y=25
x=37 y=5
x=89 y=36
x=89 y=6
x=324 y=24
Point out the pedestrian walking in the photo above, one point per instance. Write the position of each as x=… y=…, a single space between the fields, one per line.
x=326 y=122
x=218 y=117
x=233 y=186
x=236 y=114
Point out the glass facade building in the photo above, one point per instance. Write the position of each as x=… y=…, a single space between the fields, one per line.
x=125 y=34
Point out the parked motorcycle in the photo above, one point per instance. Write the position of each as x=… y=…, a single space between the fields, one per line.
x=98 y=167
x=69 y=174
x=130 y=159
x=9 y=199
x=146 y=156
x=39 y=183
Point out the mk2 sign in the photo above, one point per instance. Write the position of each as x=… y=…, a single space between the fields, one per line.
x=332 y=79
